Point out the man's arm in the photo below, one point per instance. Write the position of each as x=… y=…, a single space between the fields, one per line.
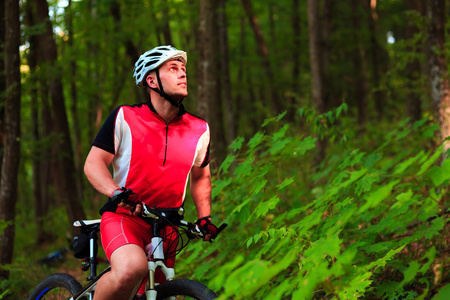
x=96 y=170
x=201 y=190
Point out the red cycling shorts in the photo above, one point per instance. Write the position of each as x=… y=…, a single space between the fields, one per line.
x=117 y=230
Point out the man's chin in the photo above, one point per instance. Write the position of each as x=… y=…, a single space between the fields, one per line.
x=180 y=96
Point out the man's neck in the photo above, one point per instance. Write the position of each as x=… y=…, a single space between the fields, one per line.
x=163 y=107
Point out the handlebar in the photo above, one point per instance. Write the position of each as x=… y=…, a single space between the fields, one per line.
x=170 y=216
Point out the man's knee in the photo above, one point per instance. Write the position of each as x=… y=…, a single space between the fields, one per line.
x=128 y=277
x=128 y=264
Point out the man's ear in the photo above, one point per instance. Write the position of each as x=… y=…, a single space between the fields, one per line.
x=152 y=81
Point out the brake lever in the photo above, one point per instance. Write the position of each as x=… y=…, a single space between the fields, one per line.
x=146 y=213
x=194 y=231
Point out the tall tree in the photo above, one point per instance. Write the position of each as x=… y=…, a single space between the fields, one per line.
x=296 y=43
x=66 y=179
x=11 y=156
x=325 y=31
x=440 y=87
x=358 y=55
x=2 y=78
x=315 y=56
x=230 y=127
x=413 y=68
x=296 y=59
x=73 y=83
x=263 y=51
x=375 y=53
x=208 y=89
x=165 y=23
x=132 y=53
x=317 y=79
x=32 y=58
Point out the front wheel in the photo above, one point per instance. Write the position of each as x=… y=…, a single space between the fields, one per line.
x=184 y=289
x=56 y=286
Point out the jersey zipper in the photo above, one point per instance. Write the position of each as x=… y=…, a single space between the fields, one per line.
x=167 y=137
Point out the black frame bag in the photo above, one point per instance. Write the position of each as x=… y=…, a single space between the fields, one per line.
x=81 y=245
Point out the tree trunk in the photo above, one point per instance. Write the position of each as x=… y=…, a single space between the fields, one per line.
x=360 y=80
x=440 y=88
x=94 y=70
x=296 y=43
x=296 y=62
x=2 y=80
x=315 y=56
x=165 y=25
x=11 y=156
x=263 y=52
x=43 y=182
x=325 y=31
x=67 y=179
x=316 y=68
x=207 y=84
x=374 y=53
x=208 y=91
x=74 y=98
x=413 y=68
x=32 y=58
x=225 y=73
x=78 y=158
x=240 y=96
x=48 y=153
x=132 y=53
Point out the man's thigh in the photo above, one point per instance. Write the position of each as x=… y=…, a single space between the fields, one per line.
x=118 y=230
x=128 y=257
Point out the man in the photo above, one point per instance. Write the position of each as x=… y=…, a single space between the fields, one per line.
x=154 y=148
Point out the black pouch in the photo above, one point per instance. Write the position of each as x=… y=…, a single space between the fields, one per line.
x=81 y=245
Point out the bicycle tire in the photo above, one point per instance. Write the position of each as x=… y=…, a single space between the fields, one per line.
x=184 y=288
x=56 y=286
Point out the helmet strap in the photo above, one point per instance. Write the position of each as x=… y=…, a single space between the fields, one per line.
x=163 y=94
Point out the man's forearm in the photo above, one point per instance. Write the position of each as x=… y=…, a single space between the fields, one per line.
x=101 y=180
x=201 y=191
x=96 y=170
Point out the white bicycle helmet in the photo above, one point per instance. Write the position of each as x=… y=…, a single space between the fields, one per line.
x=153 y=59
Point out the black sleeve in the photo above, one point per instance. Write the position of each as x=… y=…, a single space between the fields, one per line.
x=105 y=137
x=206 y=160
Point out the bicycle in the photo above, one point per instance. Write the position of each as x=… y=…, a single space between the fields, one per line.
x=65 y=286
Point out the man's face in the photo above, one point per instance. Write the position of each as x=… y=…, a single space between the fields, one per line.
x=174 y=79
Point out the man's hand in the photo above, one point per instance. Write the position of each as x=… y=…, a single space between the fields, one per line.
x=207 y=227
x=127 y=199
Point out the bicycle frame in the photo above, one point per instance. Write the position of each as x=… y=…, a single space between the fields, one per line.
x=155 y=254
x=170 y=235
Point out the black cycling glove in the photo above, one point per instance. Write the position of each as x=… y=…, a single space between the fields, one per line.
x=207 y=227
x=126 y=196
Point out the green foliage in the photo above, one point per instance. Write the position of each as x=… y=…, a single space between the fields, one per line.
x=377 y=197
x=443 y=293
x=366 y=223
x=4 y=294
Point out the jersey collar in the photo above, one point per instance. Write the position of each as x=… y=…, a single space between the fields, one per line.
x=181 y=110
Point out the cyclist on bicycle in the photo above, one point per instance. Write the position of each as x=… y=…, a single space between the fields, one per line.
x=154 y=148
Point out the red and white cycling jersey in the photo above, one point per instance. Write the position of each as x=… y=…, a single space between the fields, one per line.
x=152 y=157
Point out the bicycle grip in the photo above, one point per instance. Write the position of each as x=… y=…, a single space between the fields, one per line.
x=221 y=227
